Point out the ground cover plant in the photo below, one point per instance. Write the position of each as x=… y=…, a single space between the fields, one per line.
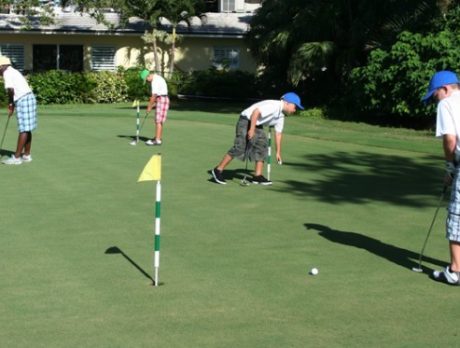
x=353 y=200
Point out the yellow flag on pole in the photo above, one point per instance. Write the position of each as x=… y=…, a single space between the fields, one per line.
x=152 y=170
x=135 y=103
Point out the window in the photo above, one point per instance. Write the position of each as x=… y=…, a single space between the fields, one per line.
x=231 y=5
x=103 y=58
x=15 y=53
x=60 y=57
x=226 y=57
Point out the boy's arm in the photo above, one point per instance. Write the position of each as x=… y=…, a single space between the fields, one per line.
x=10 y=92
x=252 y=128
x=278 y=137
x=449 y=143
x=152 y=102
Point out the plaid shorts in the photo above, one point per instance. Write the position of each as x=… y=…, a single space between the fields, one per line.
x=26 y=112
x=257 y=149
x=453 y=215
x=161 y=110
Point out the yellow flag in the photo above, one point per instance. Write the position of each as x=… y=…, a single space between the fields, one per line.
x=135 y=103
x=152 y=170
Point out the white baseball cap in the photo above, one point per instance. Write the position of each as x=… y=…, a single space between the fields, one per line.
x=5 y=60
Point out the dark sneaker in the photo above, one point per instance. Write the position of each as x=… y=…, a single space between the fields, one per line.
x=218 y=177
x=447 y=276
x=260 y=179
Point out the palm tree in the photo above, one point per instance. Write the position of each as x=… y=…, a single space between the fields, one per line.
x=296 y=40
x=176 y=11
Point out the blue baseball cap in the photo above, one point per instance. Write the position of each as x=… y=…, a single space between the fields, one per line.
x=439 y=79
x=293 y=98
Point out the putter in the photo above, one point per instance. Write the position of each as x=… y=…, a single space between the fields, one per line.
x=245 y=182
x=419 y=269
x=4 y=133
x=134 y=142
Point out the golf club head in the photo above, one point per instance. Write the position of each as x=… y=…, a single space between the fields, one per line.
x=417 y=269
x=244 y=182
x=133 y=142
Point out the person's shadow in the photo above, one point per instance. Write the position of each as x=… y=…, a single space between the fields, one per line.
x=402 y=257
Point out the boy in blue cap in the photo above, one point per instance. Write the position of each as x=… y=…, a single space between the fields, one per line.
x=444 y=89
x=250 y=138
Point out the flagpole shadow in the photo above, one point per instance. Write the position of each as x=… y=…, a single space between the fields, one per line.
x=115 y=250
x=402 y=257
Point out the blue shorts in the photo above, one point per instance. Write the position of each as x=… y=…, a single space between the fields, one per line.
x=26 y=112
x=453 y=215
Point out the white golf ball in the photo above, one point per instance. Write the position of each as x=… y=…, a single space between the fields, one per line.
x=314 y=271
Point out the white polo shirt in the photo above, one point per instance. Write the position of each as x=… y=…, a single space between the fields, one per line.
x=159 y=86
x=271 y=113
x=448 y=118
x=15 y=80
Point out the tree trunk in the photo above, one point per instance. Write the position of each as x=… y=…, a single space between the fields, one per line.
x=155 y=53
x=172 y=52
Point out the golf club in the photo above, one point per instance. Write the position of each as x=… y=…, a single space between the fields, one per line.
x=4 y=133
x=419 y=269
x=245 y=182
x=134 y=142
x=269 y=157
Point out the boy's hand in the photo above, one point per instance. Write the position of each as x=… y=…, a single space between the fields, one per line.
x=10 y=110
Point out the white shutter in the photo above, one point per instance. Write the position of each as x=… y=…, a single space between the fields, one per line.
x=103 y=58
x=15 y=53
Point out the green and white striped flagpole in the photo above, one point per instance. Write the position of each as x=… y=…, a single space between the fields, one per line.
x=156 y=262
x=137 y=121
x=152 y=172
x=269 y=159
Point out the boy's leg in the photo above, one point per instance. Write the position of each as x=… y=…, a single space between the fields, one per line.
x=225 y=161
x=259 y=168
x=454 y=256
x=23 y=143
x=158 y=130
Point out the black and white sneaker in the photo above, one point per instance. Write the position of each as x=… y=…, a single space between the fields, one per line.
x=153 y=142
x=261 y=180
x=447 y=276
x=218 y=177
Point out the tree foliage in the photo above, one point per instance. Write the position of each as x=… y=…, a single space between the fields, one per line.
x=295 y=40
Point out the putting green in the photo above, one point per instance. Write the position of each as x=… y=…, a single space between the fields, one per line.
x=355 y=201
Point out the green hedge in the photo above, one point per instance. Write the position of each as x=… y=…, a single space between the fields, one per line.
x=61 y=87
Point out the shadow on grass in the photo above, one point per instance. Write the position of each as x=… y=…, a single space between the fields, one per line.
x=397 y=255
x=362 y=177
x=115 y=250
x=133 y=137
x=7 y=153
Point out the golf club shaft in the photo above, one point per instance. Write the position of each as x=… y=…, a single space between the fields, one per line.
x=269 y=159
x=143 y=121
x=4 y=131
x=431 y=227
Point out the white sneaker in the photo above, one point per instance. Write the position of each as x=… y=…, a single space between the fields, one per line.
x=27 y=158
x=12 y=160
x=447 y=276
x=153 y=141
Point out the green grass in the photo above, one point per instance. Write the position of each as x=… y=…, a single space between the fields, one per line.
x=353 y=200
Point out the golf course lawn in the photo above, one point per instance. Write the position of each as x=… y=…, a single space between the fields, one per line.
x=353 y=200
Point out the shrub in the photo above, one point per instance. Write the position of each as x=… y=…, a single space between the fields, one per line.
x=136 y=89
x=394 y=81
x=109 y=87
x=215 y=83
x=60 y=87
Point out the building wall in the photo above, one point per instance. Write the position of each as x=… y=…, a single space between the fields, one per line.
x=191 y=54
